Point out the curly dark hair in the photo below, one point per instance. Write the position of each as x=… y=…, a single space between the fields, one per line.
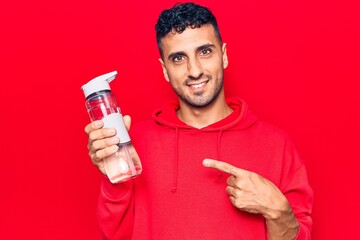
x=181 y=16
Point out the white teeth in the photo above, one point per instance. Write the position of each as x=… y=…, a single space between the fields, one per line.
x=198 y=85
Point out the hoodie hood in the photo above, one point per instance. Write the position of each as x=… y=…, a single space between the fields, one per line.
x=240 y=118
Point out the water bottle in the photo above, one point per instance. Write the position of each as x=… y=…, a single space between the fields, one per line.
x=101 y=104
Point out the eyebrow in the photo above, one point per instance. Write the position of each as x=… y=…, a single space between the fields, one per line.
x=206 y=46
x=198 y=49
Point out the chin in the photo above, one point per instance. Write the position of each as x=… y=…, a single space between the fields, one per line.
x=200 y=103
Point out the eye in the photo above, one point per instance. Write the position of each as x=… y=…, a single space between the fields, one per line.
x=177 y=58
x=205 y=51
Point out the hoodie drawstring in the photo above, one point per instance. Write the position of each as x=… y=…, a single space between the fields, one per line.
x=218 y=149
x=176 y=160
x=219 y=145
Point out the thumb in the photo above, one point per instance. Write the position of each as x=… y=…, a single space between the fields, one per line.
x=127 y=121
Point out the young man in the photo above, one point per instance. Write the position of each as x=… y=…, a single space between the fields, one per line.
x=212 y=170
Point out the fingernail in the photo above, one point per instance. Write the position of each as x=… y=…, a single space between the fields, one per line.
x=97 y=124
x=115 y=140
x=111 y=131
x=114 y=148
x=206 y=162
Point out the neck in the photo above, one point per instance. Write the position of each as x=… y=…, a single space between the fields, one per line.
x=200 y=117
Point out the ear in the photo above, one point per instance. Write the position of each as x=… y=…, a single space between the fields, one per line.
x=164 y=69
x=225 y=58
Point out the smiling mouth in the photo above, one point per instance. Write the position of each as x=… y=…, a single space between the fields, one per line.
x=198 y=85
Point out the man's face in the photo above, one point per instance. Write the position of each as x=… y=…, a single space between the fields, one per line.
x=193 y=62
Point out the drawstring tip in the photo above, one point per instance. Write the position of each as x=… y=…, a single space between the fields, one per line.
x=173 y=189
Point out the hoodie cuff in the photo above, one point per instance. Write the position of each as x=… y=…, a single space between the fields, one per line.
x=115 y=191
x=303 y=234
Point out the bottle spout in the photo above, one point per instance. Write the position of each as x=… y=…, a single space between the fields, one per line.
x=108 y=77
x=99 y=83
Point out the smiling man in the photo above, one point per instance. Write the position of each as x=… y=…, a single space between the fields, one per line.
x=194 y=62
x=212 y=170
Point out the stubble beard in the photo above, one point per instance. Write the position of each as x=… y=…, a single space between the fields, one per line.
x=198 y=100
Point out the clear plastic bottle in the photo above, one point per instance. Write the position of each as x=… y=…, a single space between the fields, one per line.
x=102 y=105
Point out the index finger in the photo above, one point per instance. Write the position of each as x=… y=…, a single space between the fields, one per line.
x=93 y=126
x=223 y=166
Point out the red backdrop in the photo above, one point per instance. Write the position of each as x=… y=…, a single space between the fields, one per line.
x=296 y=63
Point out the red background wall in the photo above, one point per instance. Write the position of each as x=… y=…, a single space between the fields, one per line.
x=295 y=62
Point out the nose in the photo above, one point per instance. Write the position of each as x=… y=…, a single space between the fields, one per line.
x=195 y=70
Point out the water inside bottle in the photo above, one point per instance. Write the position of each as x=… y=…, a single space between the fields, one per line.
x=123 y=165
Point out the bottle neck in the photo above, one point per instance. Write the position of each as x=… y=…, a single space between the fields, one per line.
x=101 y=92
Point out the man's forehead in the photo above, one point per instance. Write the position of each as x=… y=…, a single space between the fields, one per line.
x=189 y=39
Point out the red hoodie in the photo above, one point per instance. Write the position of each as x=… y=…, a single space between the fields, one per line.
x=176 y=198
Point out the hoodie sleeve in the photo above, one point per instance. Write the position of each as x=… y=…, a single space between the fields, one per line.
x=295 y=186
x=115 y=210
